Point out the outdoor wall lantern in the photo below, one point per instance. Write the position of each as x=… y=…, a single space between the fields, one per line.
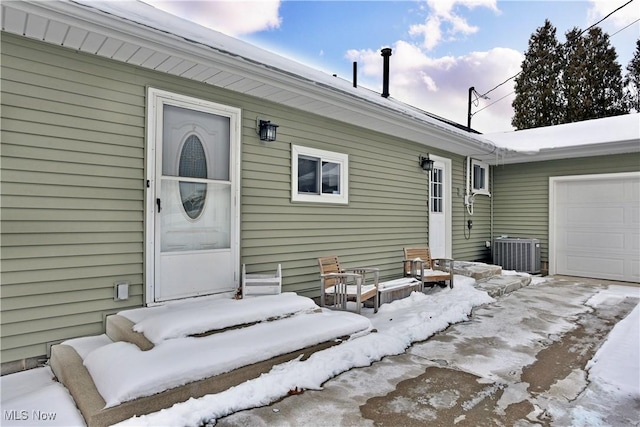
x=266 y=130
x=426 y=163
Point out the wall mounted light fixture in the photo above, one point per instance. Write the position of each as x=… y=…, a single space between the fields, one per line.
x=426 y=163
x=266 y=130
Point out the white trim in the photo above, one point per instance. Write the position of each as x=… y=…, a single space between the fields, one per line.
x=157 y=97
x=339 y=158
x=447 y=202
x=573 y=152
x=553 y=180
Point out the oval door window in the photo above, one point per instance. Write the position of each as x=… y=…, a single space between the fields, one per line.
x=193 y=164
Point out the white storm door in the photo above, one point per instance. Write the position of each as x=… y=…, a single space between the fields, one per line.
x=195 y=213
x=440 y=208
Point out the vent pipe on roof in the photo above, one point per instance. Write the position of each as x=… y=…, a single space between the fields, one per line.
x=386 y=53
x=355 y=74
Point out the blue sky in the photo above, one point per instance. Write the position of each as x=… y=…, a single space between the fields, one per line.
x=440 y=47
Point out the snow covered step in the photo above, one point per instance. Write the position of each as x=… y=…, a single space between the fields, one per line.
x=112 y=381
x=476 y=270
x=119 y=328
x=149 y=326
x=507 y=282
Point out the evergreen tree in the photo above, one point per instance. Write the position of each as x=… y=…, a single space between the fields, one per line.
x=538 y=100
x=592 y=78
x=574 y=84
x=632 y=81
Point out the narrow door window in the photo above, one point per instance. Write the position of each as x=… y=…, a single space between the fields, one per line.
x=436 y=193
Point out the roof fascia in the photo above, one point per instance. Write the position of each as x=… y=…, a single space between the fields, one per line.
x=578 y=151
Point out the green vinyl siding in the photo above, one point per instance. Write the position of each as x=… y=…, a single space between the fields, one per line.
x=73 y=193
x=469 y=245
x=386 y=210
x=521 y=193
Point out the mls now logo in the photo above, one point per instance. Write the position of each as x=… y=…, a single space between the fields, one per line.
x=16 y=415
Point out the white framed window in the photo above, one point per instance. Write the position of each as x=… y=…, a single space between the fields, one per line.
x=319 y=176
x=437 y=194
x=479 y=177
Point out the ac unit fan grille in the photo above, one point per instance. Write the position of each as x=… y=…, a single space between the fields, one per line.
x=517 y=254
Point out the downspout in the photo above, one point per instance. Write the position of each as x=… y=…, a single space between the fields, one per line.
x=468 y=196
x=491 y=216
x=467 y=192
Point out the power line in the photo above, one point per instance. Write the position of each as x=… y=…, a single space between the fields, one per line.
x=624 y=28
x=477 y=95
x=494 y=102
x=579 y=35
x=475 y=102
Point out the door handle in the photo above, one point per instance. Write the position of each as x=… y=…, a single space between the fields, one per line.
x=159 y=205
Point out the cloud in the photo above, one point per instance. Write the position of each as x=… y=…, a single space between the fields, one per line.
x=622 y=25
x=623 y=17
x=444 y=24
x=430 y=31
x=234 y=18
x=441 y=85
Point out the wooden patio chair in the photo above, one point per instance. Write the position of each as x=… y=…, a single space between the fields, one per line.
x=419 y=264
x=346 y=284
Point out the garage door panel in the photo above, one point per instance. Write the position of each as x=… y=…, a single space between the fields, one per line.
x=595 y=240
x=596 y=229
x=582 y=265
x=632 y=191
x=602 y=191
x=592 y=215
x=634 y=216
x=635 y=270
x=633 y=242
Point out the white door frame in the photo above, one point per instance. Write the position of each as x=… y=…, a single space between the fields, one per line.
x=447 y=202
x=553 y=181
x=156 y=97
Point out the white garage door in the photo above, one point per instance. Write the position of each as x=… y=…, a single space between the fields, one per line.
x=595 y=226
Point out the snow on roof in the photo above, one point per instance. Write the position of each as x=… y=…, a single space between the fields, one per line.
x=142 y=14
x=600 y=131
x=150 y=30
x=623 y=128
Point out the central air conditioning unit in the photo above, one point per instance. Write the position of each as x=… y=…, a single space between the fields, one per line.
x=517 y=254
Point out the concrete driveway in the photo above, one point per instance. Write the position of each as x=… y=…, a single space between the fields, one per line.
x=519 y=361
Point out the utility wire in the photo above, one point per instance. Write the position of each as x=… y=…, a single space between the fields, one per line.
x=513 y=91
x=579 y=35
x=494 y=102
x=624 y=28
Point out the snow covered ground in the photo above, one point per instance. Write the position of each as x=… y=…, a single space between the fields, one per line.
x=33 y=398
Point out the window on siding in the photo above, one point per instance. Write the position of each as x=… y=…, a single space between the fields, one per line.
x=479 y=177
x=319 y=176
x=437 y=195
